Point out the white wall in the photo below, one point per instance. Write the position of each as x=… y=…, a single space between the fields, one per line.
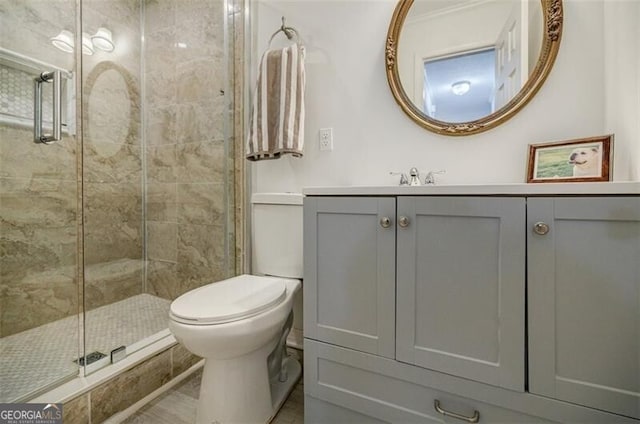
x=622 y=82
x=347 y=90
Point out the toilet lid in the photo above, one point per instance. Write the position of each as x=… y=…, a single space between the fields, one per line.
x=228 y=300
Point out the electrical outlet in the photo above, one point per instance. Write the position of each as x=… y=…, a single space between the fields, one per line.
x=325 y=136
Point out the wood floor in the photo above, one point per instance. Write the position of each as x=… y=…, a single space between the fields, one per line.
x=178 y=406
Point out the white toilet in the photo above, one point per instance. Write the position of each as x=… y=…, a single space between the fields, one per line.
x=240 y=325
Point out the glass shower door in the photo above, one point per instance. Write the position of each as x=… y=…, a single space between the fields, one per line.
x=119 y=315
x=39 y=288
x=156 y=174
x=101 y=228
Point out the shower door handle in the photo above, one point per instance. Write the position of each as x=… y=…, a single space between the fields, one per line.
x=55 y=78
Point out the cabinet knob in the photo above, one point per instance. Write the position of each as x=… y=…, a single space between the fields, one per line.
x=403 y=222
x=540 y=228
x=385 y=222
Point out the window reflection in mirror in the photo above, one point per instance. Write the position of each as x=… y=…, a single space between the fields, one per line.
x=491 y=44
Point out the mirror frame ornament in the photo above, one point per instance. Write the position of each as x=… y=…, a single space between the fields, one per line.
x=553 y=21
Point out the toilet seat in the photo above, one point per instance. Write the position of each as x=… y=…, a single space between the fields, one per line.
x=229 y=300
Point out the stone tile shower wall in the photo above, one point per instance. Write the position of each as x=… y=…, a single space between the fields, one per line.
x=185 y=108
x=185 y=83
x=112 y=156
x=38 y=185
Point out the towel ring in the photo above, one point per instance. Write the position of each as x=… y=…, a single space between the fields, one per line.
x=288 y=31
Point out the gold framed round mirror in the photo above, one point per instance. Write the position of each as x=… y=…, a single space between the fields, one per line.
x=461 y=67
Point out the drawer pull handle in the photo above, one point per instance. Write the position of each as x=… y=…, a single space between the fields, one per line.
x=403 y=222
x=474 y=419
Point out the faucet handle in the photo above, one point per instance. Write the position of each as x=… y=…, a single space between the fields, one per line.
x=431 y=176
x=404 y=180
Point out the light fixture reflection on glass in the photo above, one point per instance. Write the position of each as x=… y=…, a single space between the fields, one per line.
x=63 y=41
x=460 y=88
x=87 y=45
x=103 y=40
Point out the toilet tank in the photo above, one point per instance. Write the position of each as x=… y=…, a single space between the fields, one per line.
x=276 y=230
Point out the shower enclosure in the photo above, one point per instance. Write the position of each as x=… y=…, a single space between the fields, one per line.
x=116 y=177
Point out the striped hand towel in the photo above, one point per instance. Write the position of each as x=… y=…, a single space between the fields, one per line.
x=277 y=118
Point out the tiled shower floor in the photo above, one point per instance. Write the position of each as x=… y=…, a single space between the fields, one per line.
x=44 y=355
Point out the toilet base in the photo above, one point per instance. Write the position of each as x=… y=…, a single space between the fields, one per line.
x=238 y=391
x=280 y=391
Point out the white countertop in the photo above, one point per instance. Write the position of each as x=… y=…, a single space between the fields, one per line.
x=537 y=189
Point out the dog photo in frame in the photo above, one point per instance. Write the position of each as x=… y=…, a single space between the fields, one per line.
x=579 y=160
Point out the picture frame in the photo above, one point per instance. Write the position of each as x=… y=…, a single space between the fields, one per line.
x=578 y=160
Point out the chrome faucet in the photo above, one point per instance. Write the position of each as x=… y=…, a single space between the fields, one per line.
x=414 y=174
x=412 y=180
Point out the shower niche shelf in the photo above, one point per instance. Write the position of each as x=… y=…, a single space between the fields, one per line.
x=17 y=73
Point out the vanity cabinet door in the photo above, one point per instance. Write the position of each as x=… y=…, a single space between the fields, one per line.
x=349 y=277
x=461 y=287
x=584 y=301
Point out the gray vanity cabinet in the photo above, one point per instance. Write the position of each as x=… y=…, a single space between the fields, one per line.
x=461 y=287
x=349 y=272
x=459 y=281
x=584 y=301
x=421 y=317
